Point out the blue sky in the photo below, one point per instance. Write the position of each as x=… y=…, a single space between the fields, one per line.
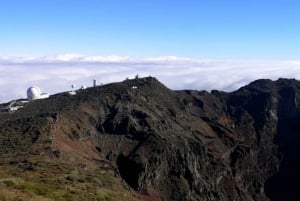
x=186 y=44
x=215 y=29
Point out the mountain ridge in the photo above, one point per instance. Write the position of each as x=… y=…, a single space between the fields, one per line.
x=159 y=144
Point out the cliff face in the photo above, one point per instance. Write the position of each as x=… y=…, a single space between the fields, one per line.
x=160 y=144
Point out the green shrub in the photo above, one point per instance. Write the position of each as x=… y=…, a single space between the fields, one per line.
x=12 y=181
x=2 y=197
x=34 y=189
x=8 y=183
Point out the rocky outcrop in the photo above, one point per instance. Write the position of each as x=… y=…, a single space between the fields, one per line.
x=171 y=145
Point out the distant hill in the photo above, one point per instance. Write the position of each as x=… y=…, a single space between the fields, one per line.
x=138 y=140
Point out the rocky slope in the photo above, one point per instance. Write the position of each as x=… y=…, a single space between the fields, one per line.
x=138 y=140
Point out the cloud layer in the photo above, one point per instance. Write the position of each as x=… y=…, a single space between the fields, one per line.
x=57 y=73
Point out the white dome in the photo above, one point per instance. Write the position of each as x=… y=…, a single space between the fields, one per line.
x=33 y=93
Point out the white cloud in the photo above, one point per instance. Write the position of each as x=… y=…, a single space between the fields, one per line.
x=56 y=73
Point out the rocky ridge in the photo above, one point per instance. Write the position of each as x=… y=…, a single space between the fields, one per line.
x=159 y=144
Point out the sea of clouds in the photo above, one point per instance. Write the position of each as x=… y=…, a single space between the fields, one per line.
x=56 y=74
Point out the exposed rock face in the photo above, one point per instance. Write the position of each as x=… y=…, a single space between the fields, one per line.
x=171 y=145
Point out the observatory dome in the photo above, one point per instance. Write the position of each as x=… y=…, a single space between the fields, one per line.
x=33 y=93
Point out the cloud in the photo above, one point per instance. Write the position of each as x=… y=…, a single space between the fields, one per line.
x=57 y=73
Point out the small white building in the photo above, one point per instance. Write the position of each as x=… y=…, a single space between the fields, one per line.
x=34 y=93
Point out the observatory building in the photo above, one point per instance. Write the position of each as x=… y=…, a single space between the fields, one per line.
x=34 y=93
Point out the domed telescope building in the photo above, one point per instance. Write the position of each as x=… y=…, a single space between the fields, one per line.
x=34 y=93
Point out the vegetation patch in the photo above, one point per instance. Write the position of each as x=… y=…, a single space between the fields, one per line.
x=58 y=182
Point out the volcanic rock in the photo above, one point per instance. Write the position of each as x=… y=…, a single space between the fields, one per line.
x=159 y=144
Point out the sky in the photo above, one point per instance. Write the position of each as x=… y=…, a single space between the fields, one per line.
x=186 y=44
